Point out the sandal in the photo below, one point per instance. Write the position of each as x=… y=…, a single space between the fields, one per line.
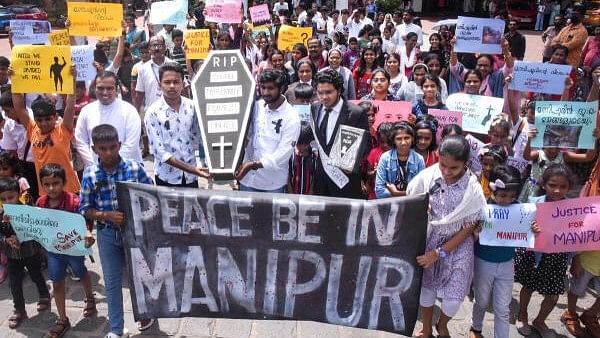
x=16 y=318
x=59 y=329
x=571 y=321
x=90 y=307
x=43 y=304
x=474 y=333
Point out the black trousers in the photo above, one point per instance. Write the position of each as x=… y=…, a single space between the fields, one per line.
x=183 y=184
x=16 y=273
x=28 y=169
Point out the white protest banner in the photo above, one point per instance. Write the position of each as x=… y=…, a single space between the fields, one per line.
x=537 y=77
x=30 y=32
x=169 y=13
x=477 y=111
x=565 y=124
x=83 y=59
x=57 y=231
x=508 y=225
x=478 y=35
x=476 y=145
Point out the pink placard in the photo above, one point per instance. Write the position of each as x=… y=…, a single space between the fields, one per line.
x=260 y=15
x=570 y=225
x=444 y=118
x=389 y=111
x=229 y=11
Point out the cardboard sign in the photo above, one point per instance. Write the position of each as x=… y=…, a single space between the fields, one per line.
x=42 y=69
x=476 y=145
x=478 y=35
x=83 y=59
x=223 y=92
x=289 y=36
x=539 y=77
x=444 y=118
x=232 y=254
x=508 y=225
x=30 y=32
x=570 y=225
x=389 y=111
x=565 y=124
x=223 y=11
x=303 y=111
x=95 y=19
x=348 y=146
x=57 y=231
x=59 y=38
x=197 y=43
x=477 y=111
x=169 y=13
x=260 y=15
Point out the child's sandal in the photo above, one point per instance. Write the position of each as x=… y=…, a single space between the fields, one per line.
x=16 y=318
x=59 y=329
x=90 y=307
x=43 y=304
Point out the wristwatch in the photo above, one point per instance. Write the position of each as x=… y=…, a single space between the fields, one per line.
x=443 y=254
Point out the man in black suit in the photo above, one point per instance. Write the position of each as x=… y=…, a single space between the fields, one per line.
x=328 y=114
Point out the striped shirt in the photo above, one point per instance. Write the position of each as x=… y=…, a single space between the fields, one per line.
x=302 y=169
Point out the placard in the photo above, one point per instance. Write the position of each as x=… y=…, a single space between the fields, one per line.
x=260 y=15
x=537 y=77
x=95 y=19
x=477 y=111
x=197 y=43
x=83 y=59
x=565 y=124
x=570 y=225
x=444 y=118
x=59 y=38
x=57 y=231
x=479 y=35
x=508 y=225
x=169 y=13
x=476 y=145
x=234 y=254
x=223 y=11
x=42 y=69
x=303 y=111
x=348 y=146
x=30 y=32
x=289 y=36
x=389 y=111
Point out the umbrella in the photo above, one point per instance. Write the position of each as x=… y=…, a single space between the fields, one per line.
x=447 y=22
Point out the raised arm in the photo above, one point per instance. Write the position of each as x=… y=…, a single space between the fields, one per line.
x=69 y=114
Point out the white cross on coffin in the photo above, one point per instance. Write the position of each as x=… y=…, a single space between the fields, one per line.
x=222 y=144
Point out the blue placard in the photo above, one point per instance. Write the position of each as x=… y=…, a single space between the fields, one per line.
x=537 y=77
x=478 y=35
x=565 y=124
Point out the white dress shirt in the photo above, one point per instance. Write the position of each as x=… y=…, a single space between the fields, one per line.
x=403 y=29
x=271 y=139
x=14 y=137
x=354 y=28
x=120 y=115
x=148 y=83
x=332 y=121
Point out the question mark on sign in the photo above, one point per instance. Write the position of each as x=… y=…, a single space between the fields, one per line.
x=304 y=37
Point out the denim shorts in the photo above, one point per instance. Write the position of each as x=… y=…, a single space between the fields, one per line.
x=57 y=265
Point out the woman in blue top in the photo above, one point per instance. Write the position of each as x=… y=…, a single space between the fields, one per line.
x=399 y=165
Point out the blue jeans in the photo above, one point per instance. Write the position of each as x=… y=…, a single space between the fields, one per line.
x=110 y=247
x=539 y=22
x=247 y=188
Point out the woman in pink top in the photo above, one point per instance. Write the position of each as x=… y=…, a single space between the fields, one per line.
x=591 y=50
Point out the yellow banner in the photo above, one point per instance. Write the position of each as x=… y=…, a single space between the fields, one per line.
x=289 y=36
x=197 y=43
x=59 y=38
x=95 y=19
x=41 y=69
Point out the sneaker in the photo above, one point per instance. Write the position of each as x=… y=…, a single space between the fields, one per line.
x=524 y=329
x=125 y=334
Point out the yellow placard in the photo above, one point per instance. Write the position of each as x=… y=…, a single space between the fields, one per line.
x=197 y=43
x=41 y=69
x=289 y=36
x=95 y=19
x=59 y=38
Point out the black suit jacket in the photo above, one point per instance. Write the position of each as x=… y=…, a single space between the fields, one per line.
x=351 y=115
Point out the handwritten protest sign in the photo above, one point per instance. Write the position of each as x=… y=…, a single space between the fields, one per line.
x=42 y=69
x=260 y=15
x=539 y=77
x=476 y=145
x=477 y=111
x=389 y=111
x=570 y=225
x=30 y=32
x=478 y=35
x=95 y=19
x=223 y=11
x=565 y=124
x=303 y=111
x=59 y=38
x=508 y=225
x=57 y=231
x=517 y=162
x=83 y=59
x=444 y=118
x=289 y=36
x=169 y=12
x=197 y=43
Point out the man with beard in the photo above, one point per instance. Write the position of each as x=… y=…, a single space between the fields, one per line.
x=271 y=138
x=573 y=36
x=406 y=27
x=516 y=40
x=315 y=53
x=549 y=35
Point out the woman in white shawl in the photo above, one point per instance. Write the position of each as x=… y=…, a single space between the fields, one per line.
x=456 y=208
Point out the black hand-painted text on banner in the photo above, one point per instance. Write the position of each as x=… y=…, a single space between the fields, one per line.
x=195 y=253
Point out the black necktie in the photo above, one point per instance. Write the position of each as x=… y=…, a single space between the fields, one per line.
x=324 y=122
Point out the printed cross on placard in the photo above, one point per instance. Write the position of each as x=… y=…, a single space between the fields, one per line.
x=488 y=116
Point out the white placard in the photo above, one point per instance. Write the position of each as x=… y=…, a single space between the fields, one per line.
x=225 y=108
x=222 y=126
x=83 y=59
x=223 y=76
x=223 y=92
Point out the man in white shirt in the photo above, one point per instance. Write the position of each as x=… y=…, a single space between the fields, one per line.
x=174 y=132
x=272 y=135
x=406 y=27
x=355 y=24
x=108 y=109
x=282 y=5
x=166 y=32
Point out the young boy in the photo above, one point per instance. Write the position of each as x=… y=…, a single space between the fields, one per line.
x=20 y=256
x=99 y=203
x=177 y=53
x=53 y=178
x=302 y=164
